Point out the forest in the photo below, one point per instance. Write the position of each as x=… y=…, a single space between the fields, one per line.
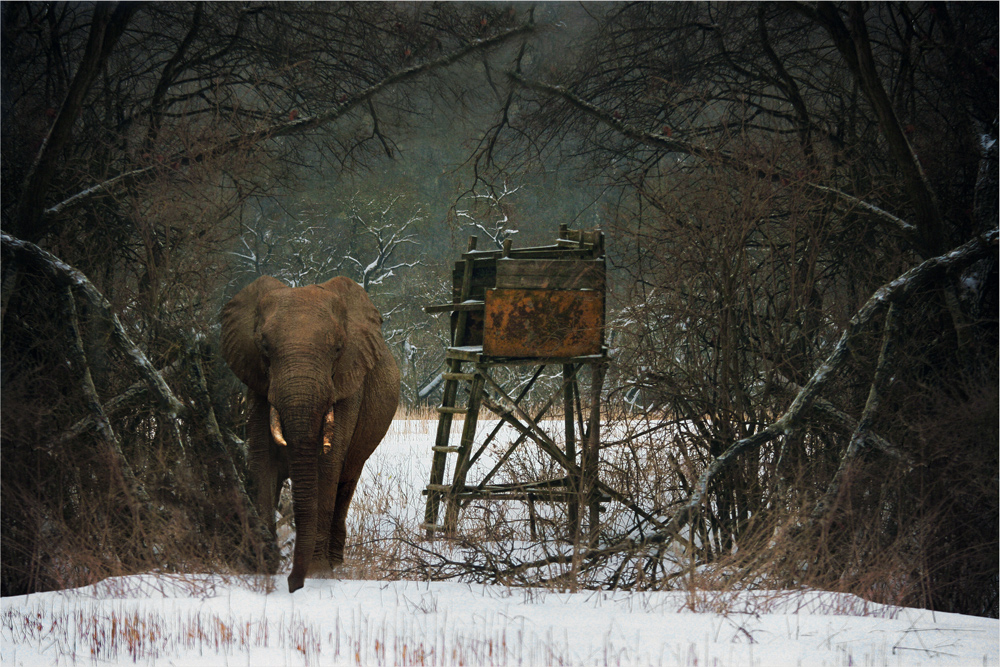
x=800 y=206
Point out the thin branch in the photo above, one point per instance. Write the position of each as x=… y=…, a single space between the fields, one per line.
x=78 y=359
x=862 y=433
x=298 y=126
x=853 y=44
x=65 y=275
x=724 y=158
x=106 y=27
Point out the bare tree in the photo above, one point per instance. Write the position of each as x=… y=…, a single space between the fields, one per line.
x=489 y=214
x=774 y=166
x=136 y=139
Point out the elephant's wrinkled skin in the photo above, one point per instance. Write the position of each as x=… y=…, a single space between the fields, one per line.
x=323 y=391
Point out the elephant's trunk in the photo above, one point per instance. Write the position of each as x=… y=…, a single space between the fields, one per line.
x=300 y=418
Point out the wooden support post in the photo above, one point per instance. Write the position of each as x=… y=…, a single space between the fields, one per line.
x=440 y=452
x=591 y=455
x=532 y=523
x=574 y=505
x=464 y=447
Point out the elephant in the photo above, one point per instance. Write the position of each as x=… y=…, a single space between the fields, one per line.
x=323 y=389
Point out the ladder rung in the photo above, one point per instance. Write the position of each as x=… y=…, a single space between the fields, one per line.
x=451 y=411
x=458 y=376
x=431 y=526
x=446 y=450
x=438 y=487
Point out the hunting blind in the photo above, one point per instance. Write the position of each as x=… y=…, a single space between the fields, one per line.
x=537 y=307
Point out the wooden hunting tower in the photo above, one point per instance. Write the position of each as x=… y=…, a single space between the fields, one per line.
x=541 y=306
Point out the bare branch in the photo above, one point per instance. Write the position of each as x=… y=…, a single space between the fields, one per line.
x=298 y=126
x=855 y=47
x=106 y=28
x=668 y=144
x=79 y=360
x=66 y=275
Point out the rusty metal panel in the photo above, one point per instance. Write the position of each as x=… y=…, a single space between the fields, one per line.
x=543 y=323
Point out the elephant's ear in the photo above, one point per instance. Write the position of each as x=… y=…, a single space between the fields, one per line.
x=364 y=346
x=238 y=347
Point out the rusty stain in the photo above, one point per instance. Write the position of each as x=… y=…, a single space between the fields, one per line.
x=543 y=323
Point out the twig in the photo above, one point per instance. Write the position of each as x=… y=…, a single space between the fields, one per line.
x=725 y=158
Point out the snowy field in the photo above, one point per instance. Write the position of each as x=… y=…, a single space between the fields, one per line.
x=213 y=620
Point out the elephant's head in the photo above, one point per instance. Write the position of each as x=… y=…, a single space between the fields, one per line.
x=303 y=349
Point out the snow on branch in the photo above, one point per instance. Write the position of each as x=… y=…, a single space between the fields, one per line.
x=493 y=200
x=388 y=237
x=65 y=275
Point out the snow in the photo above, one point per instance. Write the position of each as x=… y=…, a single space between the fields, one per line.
x=214 y=620
x=209 y=620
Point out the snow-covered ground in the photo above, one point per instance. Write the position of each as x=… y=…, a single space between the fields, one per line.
x=214 y=620
x=206 y=620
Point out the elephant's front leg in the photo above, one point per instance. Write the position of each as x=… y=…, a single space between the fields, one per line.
x=338 y=527
x=268 y=467
x=329 y=472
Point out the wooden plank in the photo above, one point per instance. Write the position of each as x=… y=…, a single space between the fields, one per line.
x=455 y=307
x=568 y=274
x=430 y=527
x=467 y=377
x=445 y=410
x=444 y=488
x=468 y=353
x=446 y=450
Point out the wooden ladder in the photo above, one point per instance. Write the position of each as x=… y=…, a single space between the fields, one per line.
x=453 y=377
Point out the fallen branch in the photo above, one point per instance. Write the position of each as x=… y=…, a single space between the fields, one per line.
x=78 y=357
x=862 y=432
x=65 y=275
x=112 y=406
x=266 y=548
x=848 y=423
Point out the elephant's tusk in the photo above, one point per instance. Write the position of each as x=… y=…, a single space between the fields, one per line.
x=276 y=433
x=328 y=431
